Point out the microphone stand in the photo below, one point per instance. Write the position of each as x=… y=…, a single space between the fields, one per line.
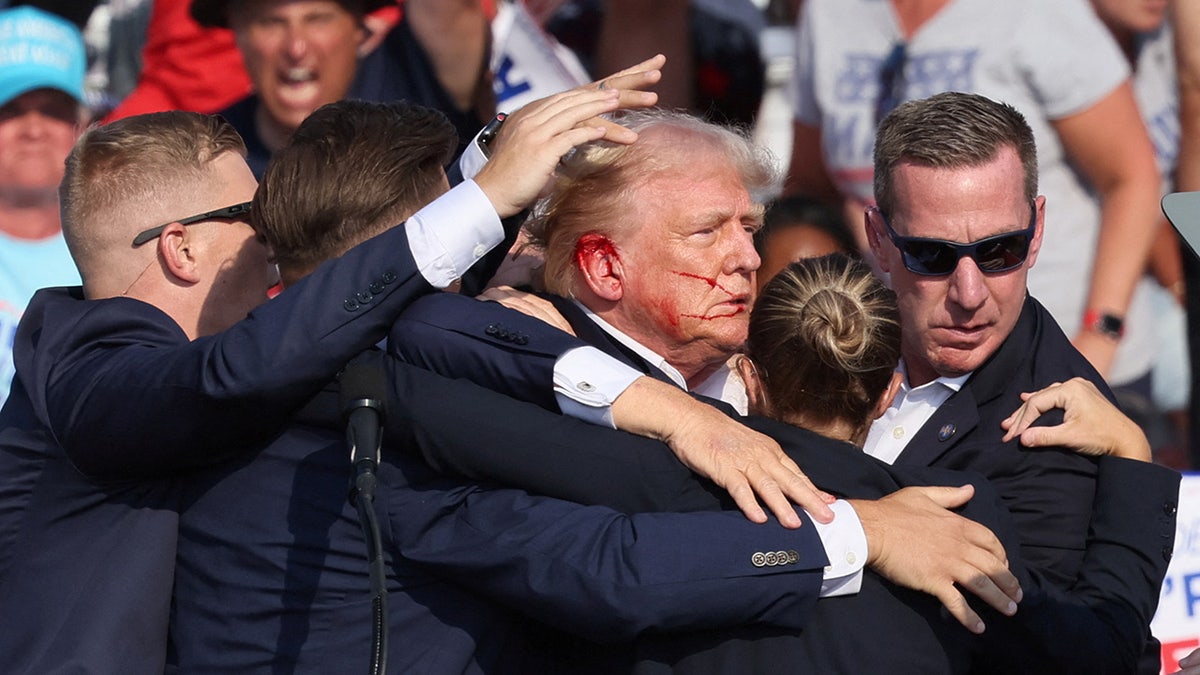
x=363 y=392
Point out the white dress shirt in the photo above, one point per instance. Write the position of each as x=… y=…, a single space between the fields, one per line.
x=911 y=409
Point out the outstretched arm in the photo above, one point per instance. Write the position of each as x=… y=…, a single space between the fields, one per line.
x=602 y=574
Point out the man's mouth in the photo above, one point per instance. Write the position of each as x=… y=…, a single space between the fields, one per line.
x=298 y=75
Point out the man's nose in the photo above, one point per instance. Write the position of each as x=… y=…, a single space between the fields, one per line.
x=296 y=42
x=743 y=257
x=967 y=286
x=33 y=123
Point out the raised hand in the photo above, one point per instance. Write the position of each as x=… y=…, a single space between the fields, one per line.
x=532 y=140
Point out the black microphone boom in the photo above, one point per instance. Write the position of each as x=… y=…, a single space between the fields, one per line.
x=362 y=397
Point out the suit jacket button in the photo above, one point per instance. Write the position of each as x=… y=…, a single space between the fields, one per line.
x=1169 y=508
x=772 y=558
x=388 y=278
x=350 y=304
x=376 y=287
x=792 y=557
x=364 y=297
x=521 y=339
x=492 y=330
x=1166 y=554
x=759 y=559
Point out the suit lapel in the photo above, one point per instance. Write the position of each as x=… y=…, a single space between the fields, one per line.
x=591 y=333
x=955 y=419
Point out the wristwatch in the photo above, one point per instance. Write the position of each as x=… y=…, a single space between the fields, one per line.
x=1104 y=323
x=489 y=134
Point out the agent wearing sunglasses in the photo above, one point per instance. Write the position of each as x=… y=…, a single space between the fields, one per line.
x=958 y=226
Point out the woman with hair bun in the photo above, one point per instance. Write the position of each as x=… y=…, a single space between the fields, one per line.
x=823 y=347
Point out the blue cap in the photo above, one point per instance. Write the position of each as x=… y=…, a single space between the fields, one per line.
x=39 y=50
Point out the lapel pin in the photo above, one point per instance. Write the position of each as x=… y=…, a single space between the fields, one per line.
x=946 y=432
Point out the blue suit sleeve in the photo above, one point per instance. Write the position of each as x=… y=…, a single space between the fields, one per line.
x=1099 y=624
x=485 y=342
x=129 y=397
x=601 y=574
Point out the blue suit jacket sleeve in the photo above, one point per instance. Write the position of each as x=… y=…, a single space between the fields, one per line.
x=129 y=397
x=1100 y=624
x=493 y=346
x=601 y=574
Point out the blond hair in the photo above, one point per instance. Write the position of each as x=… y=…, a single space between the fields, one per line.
x=118 y=168
x=825 y=339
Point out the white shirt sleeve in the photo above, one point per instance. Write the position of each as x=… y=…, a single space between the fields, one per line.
x=846 y=546
x=587 y=381
x=451 y=233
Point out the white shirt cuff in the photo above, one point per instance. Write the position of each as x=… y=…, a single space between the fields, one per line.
x=451 y=233
x=472 y=159
x=587 y=381
x=846 y=547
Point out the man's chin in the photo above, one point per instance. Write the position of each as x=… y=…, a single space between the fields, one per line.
x=955 y=363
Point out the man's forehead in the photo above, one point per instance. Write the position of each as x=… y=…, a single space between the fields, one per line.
x=260 y=8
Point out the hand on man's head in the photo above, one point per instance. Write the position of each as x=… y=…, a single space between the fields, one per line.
x=532 y=140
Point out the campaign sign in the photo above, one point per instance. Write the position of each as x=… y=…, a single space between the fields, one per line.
x=528 y=64
x=1177 y=623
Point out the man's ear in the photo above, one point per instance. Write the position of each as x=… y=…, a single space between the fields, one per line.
x=179 y=253
x=1036 y=244
x=755 y=396
x=873 y=224
x=599 y=265
x=888 y=395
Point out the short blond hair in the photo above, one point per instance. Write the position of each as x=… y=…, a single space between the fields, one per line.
x=136 y=160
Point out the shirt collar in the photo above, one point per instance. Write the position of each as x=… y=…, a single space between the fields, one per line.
x=954 y=384
x=641 y=350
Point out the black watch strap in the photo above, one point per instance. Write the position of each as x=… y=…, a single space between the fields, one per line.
x=489 y=133
x=1104 y=323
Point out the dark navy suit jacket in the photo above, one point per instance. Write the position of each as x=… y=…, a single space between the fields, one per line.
x=110 y=401
x=1049 y=491
x=1104 y=615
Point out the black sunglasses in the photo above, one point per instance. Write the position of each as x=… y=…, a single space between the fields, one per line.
x=938 y=257
x=227 y=212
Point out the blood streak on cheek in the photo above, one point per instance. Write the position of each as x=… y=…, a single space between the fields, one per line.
x=712 y=283
x=667 y=313
x=594 y=246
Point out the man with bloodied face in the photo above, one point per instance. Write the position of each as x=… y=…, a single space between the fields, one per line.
x=655 y=243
